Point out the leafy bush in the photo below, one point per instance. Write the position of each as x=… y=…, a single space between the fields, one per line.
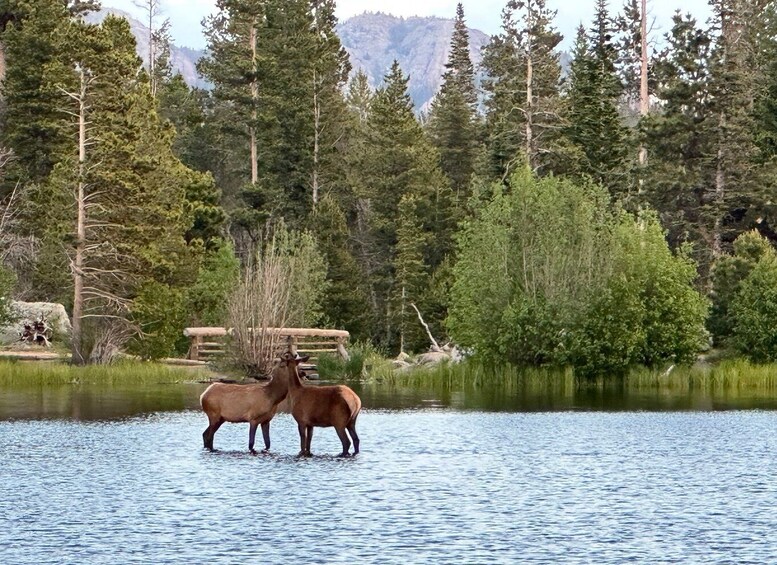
x=550 y=273
x=525 y=268
x=218 y=275
x=754 y=311
x=160 y=312
x=727 y=275
x=361 y=355
x=648 y=312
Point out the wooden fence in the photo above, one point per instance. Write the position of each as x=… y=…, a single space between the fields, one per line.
x=207 y=342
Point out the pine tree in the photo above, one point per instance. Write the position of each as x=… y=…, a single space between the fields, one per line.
x=236 y=67
x=345 y=303
x=278 y=69
x=595 y=125
x=330 y=74
x=737 y=198
x=31 y=123
x=411 y=272
x=680 y=137
x=453 y=120
x=523 y=111
x=396 y=160
x=126 y=228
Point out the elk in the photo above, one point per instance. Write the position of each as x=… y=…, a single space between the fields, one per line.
x=252 y=403
x=323 y=407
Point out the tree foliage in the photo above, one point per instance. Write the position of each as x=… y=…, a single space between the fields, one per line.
x=550 y=274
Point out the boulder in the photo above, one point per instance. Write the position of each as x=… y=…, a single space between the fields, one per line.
x=26 y=312
x=432 y=358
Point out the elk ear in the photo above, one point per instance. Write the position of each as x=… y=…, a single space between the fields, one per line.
x=302 y=359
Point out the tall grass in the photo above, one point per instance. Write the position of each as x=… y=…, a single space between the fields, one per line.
x=363 y=359
x=27 y=373
x=728 y=374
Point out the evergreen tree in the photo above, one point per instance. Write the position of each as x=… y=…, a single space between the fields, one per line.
x=125 y=231
x=737 y=198
x=345 y=303
x=330 y=75
x=278 y=69
x=679 y=136
x=595 y=126
x=411 y=272
x=396 y=160
x=453 y=120
x=523 y=109
x=31 y=121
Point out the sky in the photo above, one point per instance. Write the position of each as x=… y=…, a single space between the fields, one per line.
x=485 y=15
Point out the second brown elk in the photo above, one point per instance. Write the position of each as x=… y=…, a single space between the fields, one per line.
x=252 y=403
x=323 y=407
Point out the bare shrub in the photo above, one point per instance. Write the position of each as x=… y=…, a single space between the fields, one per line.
x=280 y=286
x=104 y=339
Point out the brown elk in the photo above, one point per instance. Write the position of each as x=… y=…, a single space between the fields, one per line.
x=253 y=403
x=323 y=407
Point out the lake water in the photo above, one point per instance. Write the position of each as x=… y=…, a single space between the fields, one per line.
x=105 y=475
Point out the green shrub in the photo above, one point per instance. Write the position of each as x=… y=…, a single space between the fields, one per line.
x=754 y=312
x=208 y=296
x=649 y=311
x=525 y=267
x=550 y=273
x=160 y=312
x=362 y=355
x=727 y=275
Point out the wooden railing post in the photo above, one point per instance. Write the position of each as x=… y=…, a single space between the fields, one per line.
x=292 y=341
x=194 y=350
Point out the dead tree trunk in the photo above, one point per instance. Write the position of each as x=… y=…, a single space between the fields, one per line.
x=529 y=94
x=644 y=97
x=254 y=98
x=78 y=262
x=316 y=138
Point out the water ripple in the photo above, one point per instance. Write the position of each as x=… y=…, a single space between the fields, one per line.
x=430 y=486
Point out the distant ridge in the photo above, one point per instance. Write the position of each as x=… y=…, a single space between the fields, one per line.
x=421 y=45
x=373 y=41
x=183 y=59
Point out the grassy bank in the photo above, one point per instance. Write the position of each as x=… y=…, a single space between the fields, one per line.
x=32 y=373
x=726 y=373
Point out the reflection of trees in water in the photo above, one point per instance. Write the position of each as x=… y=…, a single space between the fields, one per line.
x=110 y=402
x=559 y=395
x=96 y=402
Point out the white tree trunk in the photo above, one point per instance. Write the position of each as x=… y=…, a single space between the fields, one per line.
x=644 y=96
x=316 y=139
x=254 y=98
x=78 y=263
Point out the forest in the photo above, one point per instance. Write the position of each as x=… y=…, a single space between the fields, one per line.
x=616 y=213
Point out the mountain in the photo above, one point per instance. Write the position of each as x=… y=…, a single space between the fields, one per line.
x=374 y=40
x=182 y=59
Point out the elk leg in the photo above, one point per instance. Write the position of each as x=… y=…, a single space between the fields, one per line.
x=344 y=440
x=302 y=441
x=354 y=437
x=308 y=439
x=252 y=435
x=210 y=431
x=266 y=435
